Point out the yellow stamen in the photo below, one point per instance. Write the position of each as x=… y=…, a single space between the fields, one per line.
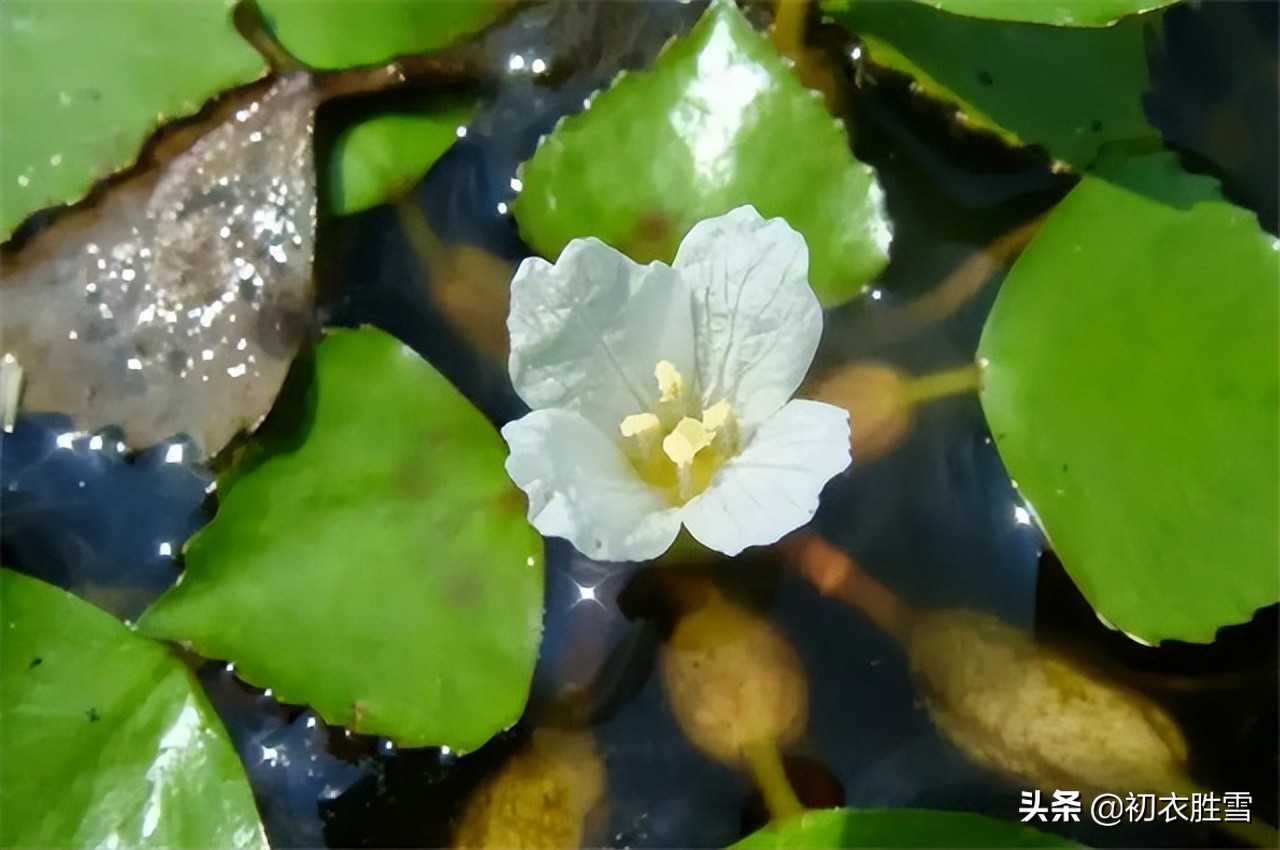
x=639 y=423
x=692 y=449
x=685 y=440
x=683 y=444
x=643 y=431
x=722 y=423
x=670 y=382
x=717 y=416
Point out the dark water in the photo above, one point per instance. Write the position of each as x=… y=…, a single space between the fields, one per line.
x=937 y=520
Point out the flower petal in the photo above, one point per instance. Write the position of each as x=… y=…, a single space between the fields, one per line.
x=772 y=487
x=587 y=332
x=582 y=488
x=756 y=318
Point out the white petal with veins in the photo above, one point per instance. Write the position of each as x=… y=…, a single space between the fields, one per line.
x=756 y=320
x=772 y=486
x=582 y=488
x=587 y=331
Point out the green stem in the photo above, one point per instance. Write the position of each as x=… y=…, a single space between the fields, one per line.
x=948 y=382
x=771 y=776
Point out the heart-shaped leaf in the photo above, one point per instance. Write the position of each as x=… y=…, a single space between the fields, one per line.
x=1068 y=13
x=841 y=828
x=83 y=84
x=719 y=121
x=106 y=739
x=378 y=565
x=379 y=160
x=347 y=33
x=1009 y=78
x=1131 y=385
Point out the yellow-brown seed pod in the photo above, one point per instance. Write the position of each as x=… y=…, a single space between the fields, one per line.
x=1037 y=714
x=540 y=797
x=733 y=682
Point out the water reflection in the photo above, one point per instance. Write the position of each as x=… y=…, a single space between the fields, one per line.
x=79 y=512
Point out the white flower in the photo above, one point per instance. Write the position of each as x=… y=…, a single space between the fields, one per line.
x=660 y=394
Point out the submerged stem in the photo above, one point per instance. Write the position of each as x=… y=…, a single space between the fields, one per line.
x=427 y=248
x=959 y=287
x=771 y=776
x=788 y=27
x=837 y=575
x=948 y=382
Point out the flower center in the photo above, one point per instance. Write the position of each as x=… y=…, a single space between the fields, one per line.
x=673 y=450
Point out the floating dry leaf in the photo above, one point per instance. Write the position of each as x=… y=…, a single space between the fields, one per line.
x=540 y=797
x=1018 y=707
x=176 y=303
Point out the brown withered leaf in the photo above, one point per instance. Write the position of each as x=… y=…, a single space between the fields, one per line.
x=176 y=302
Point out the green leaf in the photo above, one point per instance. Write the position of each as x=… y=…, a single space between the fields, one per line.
x=347 y=33
x=106 y=738
x=1131 y=387
x=1071 y=13
x=377 y=565
x=379 y=160
x=719 y=121
x=1070 y=90
x=840 y=828
x=84 y=84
